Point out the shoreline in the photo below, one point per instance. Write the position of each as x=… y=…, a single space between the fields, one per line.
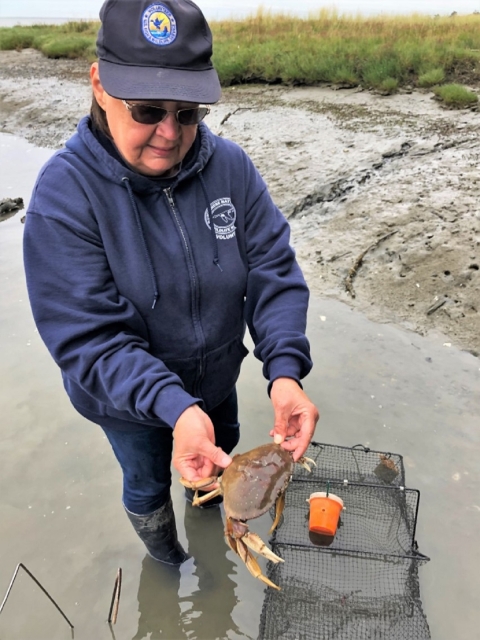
x=382 y=193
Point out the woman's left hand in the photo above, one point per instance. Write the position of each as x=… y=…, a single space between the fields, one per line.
x=295 y=416
x=195 y=455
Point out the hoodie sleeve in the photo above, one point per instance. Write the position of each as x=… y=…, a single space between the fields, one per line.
x=84 y=320
x=277 y=294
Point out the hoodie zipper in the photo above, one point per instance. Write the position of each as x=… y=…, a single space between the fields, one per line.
x=195 y=292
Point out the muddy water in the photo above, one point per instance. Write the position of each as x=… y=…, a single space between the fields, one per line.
x=60 y=511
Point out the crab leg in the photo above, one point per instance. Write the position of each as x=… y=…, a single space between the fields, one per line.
x=198 y=500
x=305 y=462
x=238 y=546
x=232 y=543
x=198 y=485
x=279 y=506
x=252 y=564
x=255 y=543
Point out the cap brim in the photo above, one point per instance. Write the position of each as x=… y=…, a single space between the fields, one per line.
x=149 y=83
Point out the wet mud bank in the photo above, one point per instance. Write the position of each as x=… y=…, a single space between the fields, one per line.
x=382 y=192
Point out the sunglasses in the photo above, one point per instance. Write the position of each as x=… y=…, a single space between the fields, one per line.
x=150 y=114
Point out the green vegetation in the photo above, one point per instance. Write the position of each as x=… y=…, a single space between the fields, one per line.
x=69 y=40
x=431 y=78
x=456 y=96
x=381 y=53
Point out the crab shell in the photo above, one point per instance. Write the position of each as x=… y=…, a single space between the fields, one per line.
x=253 y=481
x=251 y=484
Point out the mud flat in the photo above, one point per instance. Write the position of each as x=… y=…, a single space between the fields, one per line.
x=382 y=193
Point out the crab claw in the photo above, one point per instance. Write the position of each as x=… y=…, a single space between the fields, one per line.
x=252 y=564
x=255 y=543
x=305 y=462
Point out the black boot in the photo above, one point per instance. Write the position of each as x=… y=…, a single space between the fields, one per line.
x=158 y=532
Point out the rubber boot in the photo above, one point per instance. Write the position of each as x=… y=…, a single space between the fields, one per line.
x=158 y=532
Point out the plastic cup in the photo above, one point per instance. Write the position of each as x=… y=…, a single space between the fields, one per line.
x=324 y=513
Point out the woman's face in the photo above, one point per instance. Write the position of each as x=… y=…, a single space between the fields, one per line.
x=153 y=149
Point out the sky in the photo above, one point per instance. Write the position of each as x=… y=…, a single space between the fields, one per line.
x=88 y=9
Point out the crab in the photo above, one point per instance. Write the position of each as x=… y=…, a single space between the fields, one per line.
x=250 y=485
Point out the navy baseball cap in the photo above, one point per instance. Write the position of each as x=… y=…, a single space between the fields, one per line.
x=156 y=51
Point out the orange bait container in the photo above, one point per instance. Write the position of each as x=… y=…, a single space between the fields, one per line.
x=324 y=513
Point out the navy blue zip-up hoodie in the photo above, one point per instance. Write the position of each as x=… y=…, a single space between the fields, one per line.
x=141 y=292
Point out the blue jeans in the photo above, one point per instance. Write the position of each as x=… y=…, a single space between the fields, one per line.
x=145 y=455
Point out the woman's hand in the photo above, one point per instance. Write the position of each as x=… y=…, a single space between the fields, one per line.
x=195 y=455
x=295 y=416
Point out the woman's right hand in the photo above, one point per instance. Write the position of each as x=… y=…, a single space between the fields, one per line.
x=195 y=455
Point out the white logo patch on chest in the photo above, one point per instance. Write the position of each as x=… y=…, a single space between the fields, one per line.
x=224 y=216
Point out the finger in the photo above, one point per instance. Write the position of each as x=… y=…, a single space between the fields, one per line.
x=280 y=427
x=297 y=445
x=291 y=431
x=216 y=455
x=290 y=445
x=194 y=472
x=297 y=450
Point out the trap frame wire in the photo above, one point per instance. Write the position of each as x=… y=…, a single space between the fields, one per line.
x=12 y=581
x=362 y=584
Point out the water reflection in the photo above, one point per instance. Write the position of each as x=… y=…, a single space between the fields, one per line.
x=206 y=612
x=205 y=619
x=158 y=604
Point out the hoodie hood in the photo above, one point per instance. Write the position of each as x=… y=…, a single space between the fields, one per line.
x=110 y=165
x=86 y=144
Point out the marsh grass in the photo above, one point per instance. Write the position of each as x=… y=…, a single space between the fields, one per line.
x=69 y=40
x=382 y=53
x=456 y=96
x=431 y=78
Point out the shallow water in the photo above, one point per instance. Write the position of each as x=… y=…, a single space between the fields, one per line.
x=60 y=511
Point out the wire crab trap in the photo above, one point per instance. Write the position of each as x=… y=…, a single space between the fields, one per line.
x=363 y=582
x=356 y=464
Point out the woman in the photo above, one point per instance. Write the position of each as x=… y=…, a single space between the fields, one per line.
x=149 y=243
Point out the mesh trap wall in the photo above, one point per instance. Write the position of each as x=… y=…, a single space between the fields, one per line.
x=378 y=520
x=327 y=596
x=356 y=464
x=363 y=584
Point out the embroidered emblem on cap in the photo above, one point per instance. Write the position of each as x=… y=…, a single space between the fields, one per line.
x=224 y=217
x=159 y=25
